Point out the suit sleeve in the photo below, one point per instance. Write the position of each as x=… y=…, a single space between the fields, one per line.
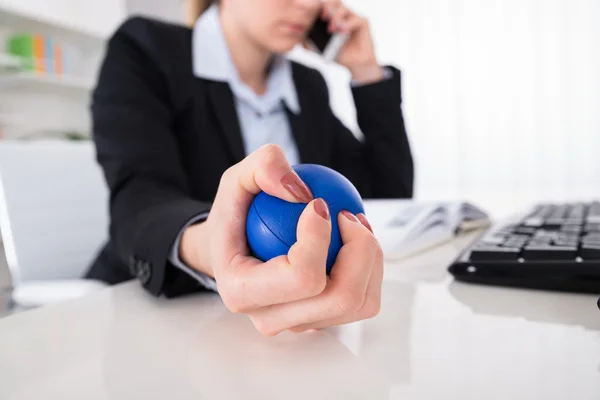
x=149 y=196
x=381 y=166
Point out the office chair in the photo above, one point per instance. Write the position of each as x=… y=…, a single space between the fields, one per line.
x=53 y=218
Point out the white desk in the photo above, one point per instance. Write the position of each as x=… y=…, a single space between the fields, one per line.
x=434 y=339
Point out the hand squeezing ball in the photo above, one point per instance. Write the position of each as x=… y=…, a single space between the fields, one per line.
x=271 y=223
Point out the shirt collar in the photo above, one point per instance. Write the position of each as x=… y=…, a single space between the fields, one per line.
x=212 y=60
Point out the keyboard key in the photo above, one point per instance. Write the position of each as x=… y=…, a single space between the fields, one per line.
x=549 y=253
x=566 y=236
x=523 y=230
x=541 y=239
x=495 y=253
x=592 y=227
x=566 y=243
x=571 y=228
x=534 y=222
x=519 y=236
x=590 y=243
x=553 y=223
x=494 y=240
x=515 y=244
x=544 y=234
x=591 y=237
x=590 y=252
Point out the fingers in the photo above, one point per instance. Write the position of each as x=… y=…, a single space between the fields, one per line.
x=346 y=290
x=370 y=307
x=247 y=284
x=338 y=19
x=363 y=220
x=330 y=7
x=341 y=19
x=354 y=262
x=309 y=253
x=352 y=24
x=265 y=169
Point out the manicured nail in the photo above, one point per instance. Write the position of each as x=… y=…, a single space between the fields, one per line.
x=322 y=209
x=350 y=216
x=293 y=184
x=363 y=220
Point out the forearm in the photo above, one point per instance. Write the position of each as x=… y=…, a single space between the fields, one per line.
x=146 y=218
x=386 y=147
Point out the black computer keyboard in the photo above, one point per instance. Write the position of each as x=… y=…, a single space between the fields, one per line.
x=554 y=247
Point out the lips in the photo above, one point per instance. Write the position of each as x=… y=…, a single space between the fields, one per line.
x=297 y=28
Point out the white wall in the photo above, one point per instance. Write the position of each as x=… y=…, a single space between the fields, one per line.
x=172 y=10
x=501 y=97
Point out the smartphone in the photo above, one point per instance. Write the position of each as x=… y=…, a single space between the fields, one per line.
x=327 y=44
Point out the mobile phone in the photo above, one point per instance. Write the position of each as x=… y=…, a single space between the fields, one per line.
x=327 y=44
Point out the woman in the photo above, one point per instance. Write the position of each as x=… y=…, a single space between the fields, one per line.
x=190 y=124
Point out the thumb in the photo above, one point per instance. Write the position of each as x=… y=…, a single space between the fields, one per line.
x=266 y=170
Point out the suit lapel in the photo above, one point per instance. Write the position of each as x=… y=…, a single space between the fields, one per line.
x=298 y=128
x=306 y=129
x=222 y=102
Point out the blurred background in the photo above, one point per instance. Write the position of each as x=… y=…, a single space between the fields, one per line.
x=501 y=97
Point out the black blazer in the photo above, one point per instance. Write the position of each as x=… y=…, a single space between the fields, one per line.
x=164 y=138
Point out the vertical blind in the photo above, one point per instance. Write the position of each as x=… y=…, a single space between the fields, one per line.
x=501 y=98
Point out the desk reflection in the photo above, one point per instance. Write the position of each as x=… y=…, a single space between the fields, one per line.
x=194 y=348
x=533 y=305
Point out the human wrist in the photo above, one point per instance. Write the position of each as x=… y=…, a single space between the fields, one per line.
x=193 y=249
x=366 y=73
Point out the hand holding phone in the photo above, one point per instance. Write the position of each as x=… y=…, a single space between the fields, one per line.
x=343 y=36
x=325 y=43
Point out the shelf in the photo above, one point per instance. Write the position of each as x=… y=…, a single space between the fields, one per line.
x=65 y=81
x=9 y=63
x=74 y=35
x=32 y=82
x=13 y=76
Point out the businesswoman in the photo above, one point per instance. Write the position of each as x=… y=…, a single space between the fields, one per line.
x=190 y=124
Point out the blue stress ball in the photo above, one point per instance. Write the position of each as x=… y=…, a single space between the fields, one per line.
x=271 y=224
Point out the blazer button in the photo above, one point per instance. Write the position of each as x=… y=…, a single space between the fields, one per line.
x=132 y=264
x=144 y=272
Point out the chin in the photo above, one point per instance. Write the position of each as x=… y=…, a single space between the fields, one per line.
x=283 y=45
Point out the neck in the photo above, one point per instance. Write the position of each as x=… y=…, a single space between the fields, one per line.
x=250 y=59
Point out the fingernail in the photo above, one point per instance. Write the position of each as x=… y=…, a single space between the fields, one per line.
x=350 y=216
x=292 y=182
x=322 y=209
x=363 y=220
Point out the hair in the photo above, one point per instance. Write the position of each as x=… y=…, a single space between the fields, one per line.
x=195 y=8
